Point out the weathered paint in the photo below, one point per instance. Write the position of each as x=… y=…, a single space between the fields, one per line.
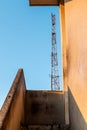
x=76 y=52
x=12 y=112
x=74 y=47
x=64 y=61
x=47 y=127
x=34 y=110
x=44 y=107
x=77 y=121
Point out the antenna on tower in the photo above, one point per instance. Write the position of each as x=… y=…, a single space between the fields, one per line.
x=54 y=61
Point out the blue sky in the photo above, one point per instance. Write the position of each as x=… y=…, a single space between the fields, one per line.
x=25 y=42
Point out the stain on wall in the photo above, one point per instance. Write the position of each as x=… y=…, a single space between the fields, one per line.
x=76 y=46
x=12 y=112
x=44 y=107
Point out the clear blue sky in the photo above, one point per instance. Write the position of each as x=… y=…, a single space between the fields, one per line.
x=25 y=42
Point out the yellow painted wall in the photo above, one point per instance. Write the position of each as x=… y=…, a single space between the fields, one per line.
x=75 y=12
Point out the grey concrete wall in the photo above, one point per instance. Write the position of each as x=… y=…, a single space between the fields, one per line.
x=77 y=121
x=44 y=107
x=12 y=111
x=75 y=50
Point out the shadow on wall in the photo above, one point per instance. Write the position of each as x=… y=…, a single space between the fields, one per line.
x=77 y=121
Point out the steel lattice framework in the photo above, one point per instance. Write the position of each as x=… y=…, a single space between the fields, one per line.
x=54 y=61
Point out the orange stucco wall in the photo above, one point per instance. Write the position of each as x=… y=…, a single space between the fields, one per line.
x=75 y=12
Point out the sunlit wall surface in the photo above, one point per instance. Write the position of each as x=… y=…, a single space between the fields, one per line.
x=76 y=46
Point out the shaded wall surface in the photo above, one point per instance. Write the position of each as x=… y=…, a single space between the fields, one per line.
x=12 y=111
x=76 y=118
x=44 y=107
x=75 y=12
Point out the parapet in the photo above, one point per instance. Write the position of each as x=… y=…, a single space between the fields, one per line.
x=12 y=111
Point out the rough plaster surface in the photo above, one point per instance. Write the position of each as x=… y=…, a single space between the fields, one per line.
x=24 y=109
x=44 y=107
x=64 y=61
x=76 y=47
x=77 y=121
x=12 y=112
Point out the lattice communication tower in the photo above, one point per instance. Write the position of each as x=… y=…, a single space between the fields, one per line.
x=54 y=61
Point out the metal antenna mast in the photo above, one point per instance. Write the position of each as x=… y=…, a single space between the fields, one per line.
x=54 y=61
